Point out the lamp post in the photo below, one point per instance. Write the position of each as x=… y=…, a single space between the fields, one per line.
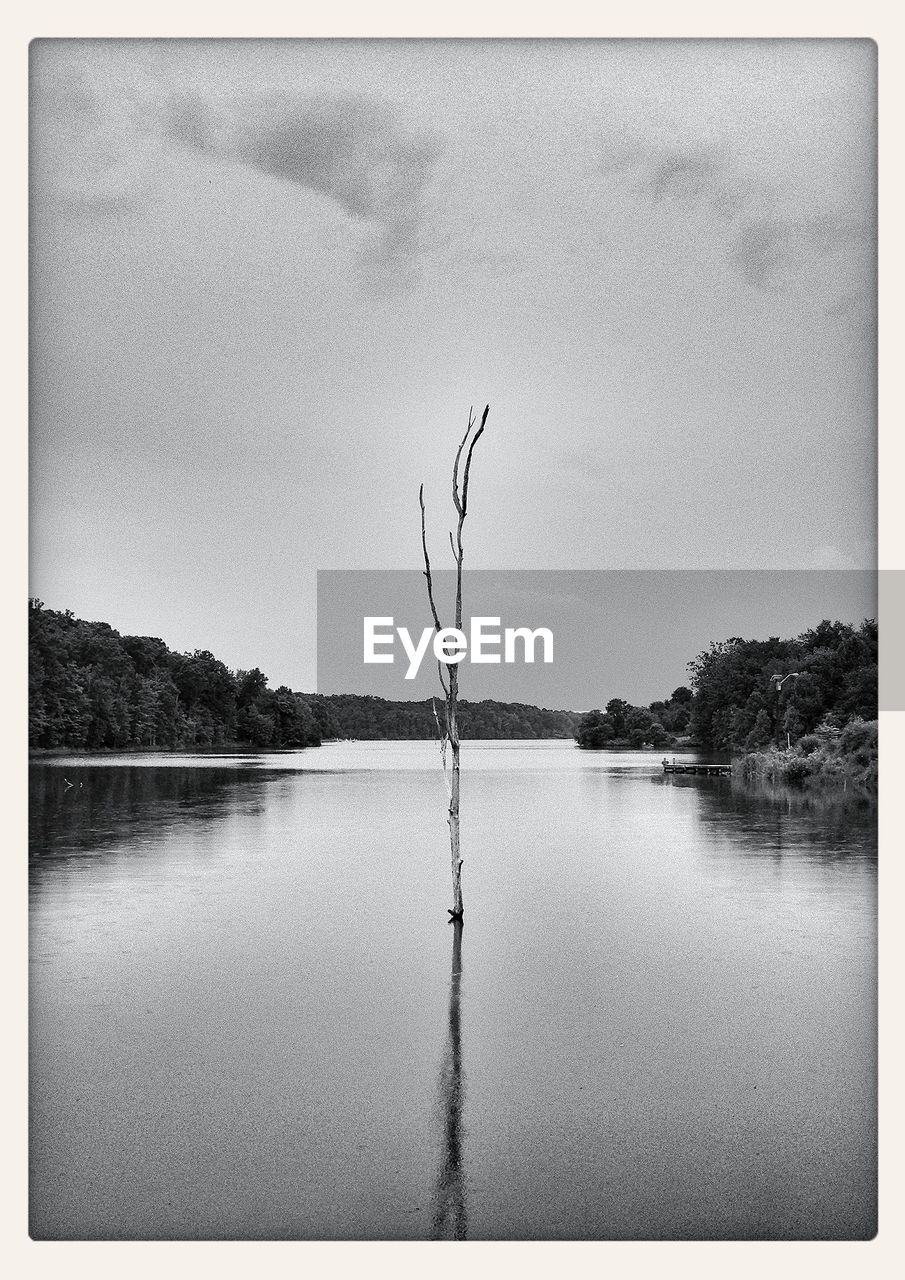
x=779 y=681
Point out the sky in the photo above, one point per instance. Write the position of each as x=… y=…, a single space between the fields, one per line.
x=270 y=278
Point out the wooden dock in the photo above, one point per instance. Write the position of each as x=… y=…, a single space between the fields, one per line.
x=708 y=770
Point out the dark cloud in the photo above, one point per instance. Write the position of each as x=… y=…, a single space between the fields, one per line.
x=102 y=131
x=702 y=176
x=777 y=252
x=758 y=248
x=354 y=150
x=774 y=236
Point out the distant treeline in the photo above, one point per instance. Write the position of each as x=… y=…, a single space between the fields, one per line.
x=359 y=716
x=92 y=688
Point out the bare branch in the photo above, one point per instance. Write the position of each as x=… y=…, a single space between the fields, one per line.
x=430 y=588
x=456 y=499
x=476 y=437
x=462 y=505
x=427 y=563
x=444 y=737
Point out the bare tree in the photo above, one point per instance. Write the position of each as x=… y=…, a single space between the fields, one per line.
x=449 y=731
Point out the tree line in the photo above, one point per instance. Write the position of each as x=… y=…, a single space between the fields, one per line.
x=749 y=695
x=363 y=716
x=92 y=688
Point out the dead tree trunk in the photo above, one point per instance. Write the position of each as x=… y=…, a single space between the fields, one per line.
x=450 y=1218
x=449 y=731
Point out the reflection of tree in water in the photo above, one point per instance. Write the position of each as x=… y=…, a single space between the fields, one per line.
x=450 y=1220
x=768 y=817
x=86 y=808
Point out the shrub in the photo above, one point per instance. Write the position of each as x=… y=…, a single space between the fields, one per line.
x=798 y=769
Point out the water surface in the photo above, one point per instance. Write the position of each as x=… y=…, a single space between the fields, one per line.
x=249 y=1018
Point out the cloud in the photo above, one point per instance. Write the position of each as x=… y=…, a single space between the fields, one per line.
x=104 y=130
x=830 y=557
x=701 y=177
x=98 y=135
x=777 y=251
x=354 y=150
x=777 y=236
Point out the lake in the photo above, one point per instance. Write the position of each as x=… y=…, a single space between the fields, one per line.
x=251 y=1019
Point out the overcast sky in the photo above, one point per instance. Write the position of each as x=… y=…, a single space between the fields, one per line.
x=270 y=277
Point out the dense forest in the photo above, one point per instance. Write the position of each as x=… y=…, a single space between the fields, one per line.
x=738 y=705
x=801 y=711
x=798 y=710
x=92 y=688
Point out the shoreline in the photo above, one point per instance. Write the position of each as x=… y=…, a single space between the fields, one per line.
x=846 y=757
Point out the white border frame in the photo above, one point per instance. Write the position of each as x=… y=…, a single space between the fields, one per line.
x=569 y=18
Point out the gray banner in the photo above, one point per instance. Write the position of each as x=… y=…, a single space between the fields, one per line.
x=626 y=633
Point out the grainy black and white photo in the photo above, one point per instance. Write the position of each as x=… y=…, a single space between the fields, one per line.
x=453 y=640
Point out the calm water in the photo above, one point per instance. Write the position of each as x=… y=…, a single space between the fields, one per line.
x=250 y=1018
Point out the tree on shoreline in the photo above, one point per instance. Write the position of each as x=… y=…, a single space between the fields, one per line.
x=449 y=730
x=738 y=705
x=622 y=725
